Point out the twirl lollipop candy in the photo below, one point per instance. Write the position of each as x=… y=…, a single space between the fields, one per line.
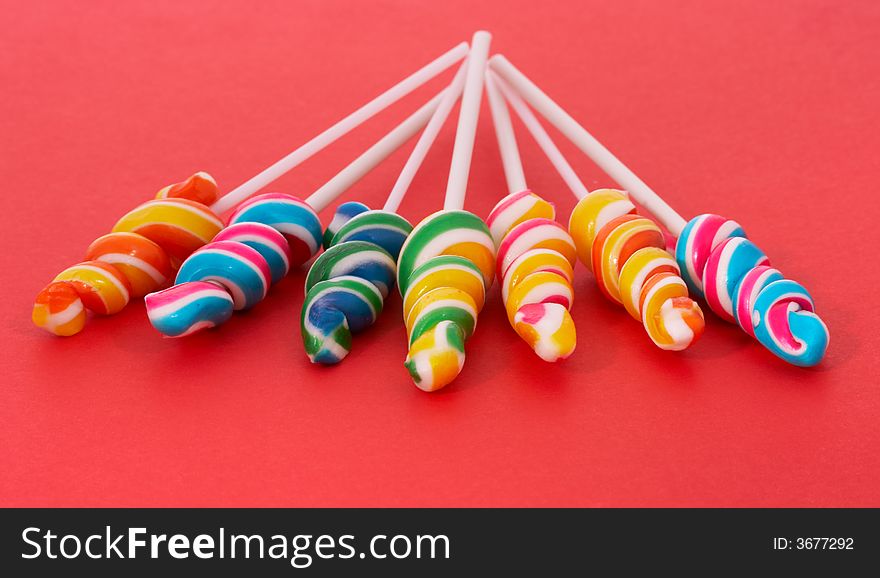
x=713 y=255
x=267 y=236
x=362 y=243
x=136 y=258
x=179 y=220
x=443 y=316
x=537 y=290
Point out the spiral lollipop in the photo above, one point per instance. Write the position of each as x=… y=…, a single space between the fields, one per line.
x=361 y=258
x=736 y=280
x=137 y=257
x=535 y=253
x=267 y=236
x=149 y=242
x=441 y=297
x=713 y=255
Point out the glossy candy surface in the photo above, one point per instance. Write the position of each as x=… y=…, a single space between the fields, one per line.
x=363 y=245
x=179 y=226
x=387 y=230
x=535 y=259
x=235 y=267
x=200 y=187
x=293 y=218
x=359 y=258
x=102 y=288
x=265 y=240
x=735 y=277
x=344 y=213
x=445 y=267
x=626 y=254
x=332 y=311
x=188 y=307
x=59 y=310
x=143 y=263
x=138 y=257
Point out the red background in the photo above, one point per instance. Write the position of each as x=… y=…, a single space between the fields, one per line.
x=766 y=112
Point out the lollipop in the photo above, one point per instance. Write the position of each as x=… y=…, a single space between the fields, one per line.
x=365 y=244
x=440 y=313
x=625 y=252
x=267 y=236
x=137 y=257
x=713 y=254
x=535 y=253
x=151 y=240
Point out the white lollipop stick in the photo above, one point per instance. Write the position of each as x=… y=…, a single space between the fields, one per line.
x=468 y=116
x=339 y=129
x=374 y=155
x=510 y=159
x=426 y=140
x=568 y=126
x=542 y=138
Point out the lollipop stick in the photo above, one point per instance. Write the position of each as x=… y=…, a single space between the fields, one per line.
x=450 y=96
x=468 y=116
x=510 y=160
x=339 y=129
x=641 y=192
x=541 y=137
x=374 y=155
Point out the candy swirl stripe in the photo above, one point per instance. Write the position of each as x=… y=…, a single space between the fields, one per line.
x=615 y=243
x=179 y=226
x=143 y=263
x=332 y=311
x=626 y=254
x=747 y=291
x=516 y=208
x=59 y=310
x=535 y=234
x=188 y=307
x=101 y=287
x=441 y=317
x=546 y=327
x=442 y=304
x=239 y=269
x=726 y=266
x=295 y=219
x=139 y=255
x=588 y=218
x=670 y=317
x=698 y=239
x=635 y=273
x=388 y=230
x=741 y=287
x=266 y=241
x=786 y=323
x=358 y=258
x=445 y=271
x=437 y=357
x=447 y=233
x=344 y=213
x=365 y=246
x=535 y=259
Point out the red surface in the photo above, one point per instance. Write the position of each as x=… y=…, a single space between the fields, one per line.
x=764 y=112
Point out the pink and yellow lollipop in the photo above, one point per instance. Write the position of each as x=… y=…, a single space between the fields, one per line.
x=535 y=253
